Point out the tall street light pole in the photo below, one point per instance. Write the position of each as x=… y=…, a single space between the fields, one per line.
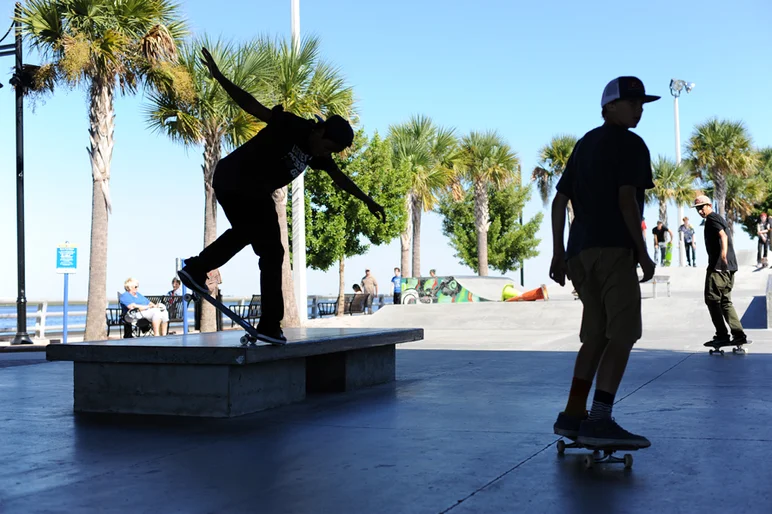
x=298 y=205
x=676 y=86
x=21 y=301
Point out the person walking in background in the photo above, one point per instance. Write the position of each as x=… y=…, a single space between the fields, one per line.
x=762 y=230
x=396 y=286
x=660 y=241
x=369 y=287
x=719 y=278
x=690 y=242
x=605 y=180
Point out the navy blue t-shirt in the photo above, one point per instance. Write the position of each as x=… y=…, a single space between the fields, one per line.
x=605 y=159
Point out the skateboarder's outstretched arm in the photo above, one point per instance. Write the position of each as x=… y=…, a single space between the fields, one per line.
x=348 y=185
x=244 y=100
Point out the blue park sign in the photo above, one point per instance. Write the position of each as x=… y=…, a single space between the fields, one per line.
x=66 y=258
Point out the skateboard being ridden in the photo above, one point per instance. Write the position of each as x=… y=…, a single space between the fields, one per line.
x=717 y=343
x=244 y=182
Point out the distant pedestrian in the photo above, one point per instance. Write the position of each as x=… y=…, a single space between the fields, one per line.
x=690 y=242
x=763 y=229
x=660 y=241
x=396 y=286
x=369 y=287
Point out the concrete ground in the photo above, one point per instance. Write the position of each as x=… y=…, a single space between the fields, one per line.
x=467 y=426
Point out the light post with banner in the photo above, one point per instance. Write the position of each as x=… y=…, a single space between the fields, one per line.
x=66 y=263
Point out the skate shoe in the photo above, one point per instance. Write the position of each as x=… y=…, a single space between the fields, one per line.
x=607 y=432
x=568 y=426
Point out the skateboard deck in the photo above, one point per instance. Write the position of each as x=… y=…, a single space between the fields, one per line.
x=668 y=254
x=600 y=454
x=738 y=347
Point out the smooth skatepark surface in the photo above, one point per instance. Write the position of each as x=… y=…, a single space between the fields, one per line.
x=466 y=427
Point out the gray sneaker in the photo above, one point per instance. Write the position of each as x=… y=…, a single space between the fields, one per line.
x=607 y=432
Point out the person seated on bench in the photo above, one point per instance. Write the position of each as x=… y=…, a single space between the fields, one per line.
x=156 y=314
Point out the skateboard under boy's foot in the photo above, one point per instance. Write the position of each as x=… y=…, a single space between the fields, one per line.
x=251 y=336
x=716 y=345
x=601 y=454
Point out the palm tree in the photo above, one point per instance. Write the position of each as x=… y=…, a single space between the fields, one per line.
x=671 y=182
x=212 y=119
x=553 y=159
x=718 y=149
x=427 y=152
x=306 y=86
x=104 y=45
x=742 y=196
x=486 y=161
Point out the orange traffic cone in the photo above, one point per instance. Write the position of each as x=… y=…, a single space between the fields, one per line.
x=539 y=293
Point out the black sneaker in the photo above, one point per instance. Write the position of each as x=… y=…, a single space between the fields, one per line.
x=193 y=279
x=718 y=340
x=741 y=339
x=606 y=432
x=273 y=336
x=568 y=426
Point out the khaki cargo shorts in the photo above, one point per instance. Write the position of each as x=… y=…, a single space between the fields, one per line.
x=607 y=283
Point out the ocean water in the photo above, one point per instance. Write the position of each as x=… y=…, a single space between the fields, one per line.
x=75 y=323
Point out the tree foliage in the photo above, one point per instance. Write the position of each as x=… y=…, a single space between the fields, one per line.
x=509 y=243
x=337 y=222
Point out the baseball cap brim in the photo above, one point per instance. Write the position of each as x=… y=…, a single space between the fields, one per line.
x=650 y=98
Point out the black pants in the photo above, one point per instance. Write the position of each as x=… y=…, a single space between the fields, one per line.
x=691 y=254
x=763 y=248
x=397 y=298
x=254 y=221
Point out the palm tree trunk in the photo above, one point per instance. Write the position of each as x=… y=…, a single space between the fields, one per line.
x=341 y=287
x=417 y=211
x=404 y=238
x=481 y=216
x=719 y=186
x=291 y=318
x=212 y=152
x=663 y=211
x=101 y=117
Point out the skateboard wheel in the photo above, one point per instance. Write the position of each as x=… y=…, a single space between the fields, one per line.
x=628 y=461
x=589 y=460
x=561 y=447
x=721 y=352
x=244 y=340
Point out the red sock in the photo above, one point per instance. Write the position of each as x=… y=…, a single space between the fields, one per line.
x=577 y=397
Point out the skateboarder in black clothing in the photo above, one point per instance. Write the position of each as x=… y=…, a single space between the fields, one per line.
x=605 y=181
x=244 y=182
x=719 y=278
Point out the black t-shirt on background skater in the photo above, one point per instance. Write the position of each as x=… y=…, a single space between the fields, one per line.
x=273 y=158
x=713 y=225
x=660 y=233
x=605 y=159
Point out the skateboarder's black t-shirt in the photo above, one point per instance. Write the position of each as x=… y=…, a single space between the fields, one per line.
x=273 y=158
x=660 y=233
x=713 y=225
x=605 y=159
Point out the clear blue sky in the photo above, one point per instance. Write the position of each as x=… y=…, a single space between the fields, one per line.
x=529 y=70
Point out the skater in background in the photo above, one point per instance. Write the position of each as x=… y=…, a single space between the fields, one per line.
x=719 y=279
x=244 y=182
